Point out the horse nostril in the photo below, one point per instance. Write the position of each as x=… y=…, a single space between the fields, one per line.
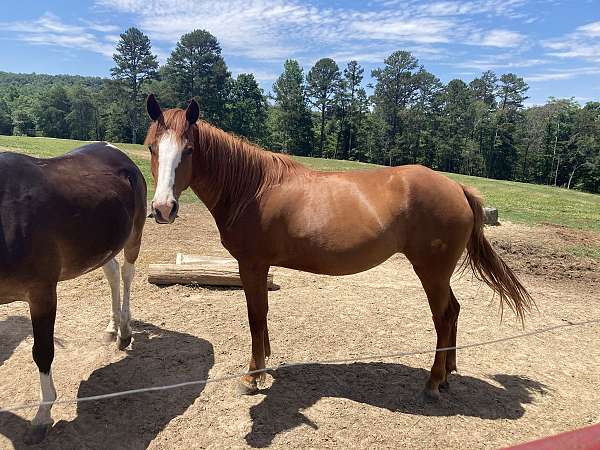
x=174 y=210
x=157 y=214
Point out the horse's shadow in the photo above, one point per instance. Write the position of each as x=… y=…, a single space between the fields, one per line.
x=13 y=330
x=157 y=357
x=394 y=387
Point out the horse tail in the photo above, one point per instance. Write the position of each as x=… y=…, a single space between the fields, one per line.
x=488 y=267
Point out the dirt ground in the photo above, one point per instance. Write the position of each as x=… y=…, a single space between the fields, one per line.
x=503 y=394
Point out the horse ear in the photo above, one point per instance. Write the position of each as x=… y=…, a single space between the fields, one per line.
x=192 y=112
x=152 y=107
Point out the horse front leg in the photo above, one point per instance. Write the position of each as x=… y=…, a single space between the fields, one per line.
x=254 y=279
x=42 y=306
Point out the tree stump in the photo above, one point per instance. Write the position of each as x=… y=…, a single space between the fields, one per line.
x=490 y=216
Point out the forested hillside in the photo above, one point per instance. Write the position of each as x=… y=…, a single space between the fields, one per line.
x=407 y=115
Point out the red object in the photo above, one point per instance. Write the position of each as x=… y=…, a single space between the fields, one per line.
x=583 y=439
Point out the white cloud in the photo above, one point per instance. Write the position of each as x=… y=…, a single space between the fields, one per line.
x=420 y=30
x=101 y=27
x=591 y=29
x=500 y=38
x=503 y=62
x=260 y=75
x=274 y=29
x=249 y=28
x=563 y=74
x=581 y=44
x=50 y=30
x=506 y=8
x=271 y=30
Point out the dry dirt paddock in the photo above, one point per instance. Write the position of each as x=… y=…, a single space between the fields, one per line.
x=504 y=393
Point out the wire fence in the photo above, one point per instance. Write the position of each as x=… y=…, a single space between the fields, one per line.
x=224 y=378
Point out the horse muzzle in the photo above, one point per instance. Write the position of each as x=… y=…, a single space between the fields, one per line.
x=165 y=212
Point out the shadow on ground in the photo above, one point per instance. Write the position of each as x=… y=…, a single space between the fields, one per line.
x=157 y=357
x=13 y=330
x=394 y=387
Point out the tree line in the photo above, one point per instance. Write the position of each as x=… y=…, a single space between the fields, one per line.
x=481 y=128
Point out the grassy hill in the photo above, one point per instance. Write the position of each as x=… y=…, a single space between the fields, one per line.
x=516 y=202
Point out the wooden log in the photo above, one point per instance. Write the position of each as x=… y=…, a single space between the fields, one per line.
x=205 y=260
x=201 y=273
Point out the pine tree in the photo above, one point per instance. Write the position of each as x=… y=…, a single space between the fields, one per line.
x=135 y=65
x=322 y=82
x=294 y=116
x=197 y=70
x=511 y=95
x=395 y=91
x=6 y=126
x=248 y=108
x=51 y=112
x=82 y=118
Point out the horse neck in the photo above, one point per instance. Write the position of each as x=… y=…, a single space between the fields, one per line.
x=229 y=174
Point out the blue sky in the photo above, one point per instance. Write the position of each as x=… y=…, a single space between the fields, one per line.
x=553 y=44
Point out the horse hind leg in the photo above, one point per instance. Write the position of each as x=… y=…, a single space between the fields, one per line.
x=454 y=306
x=111 y=271
x=131 y=253
x=439 y=296
x=124 y=334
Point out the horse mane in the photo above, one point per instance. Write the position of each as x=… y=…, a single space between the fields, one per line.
x=239 y=170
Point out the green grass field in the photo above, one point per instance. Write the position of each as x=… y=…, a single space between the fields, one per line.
x=516 y=202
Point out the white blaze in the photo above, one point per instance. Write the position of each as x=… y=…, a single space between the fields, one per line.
x=169 y=157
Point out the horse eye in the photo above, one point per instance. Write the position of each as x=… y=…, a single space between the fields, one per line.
x=150 y=148
x=187 y=151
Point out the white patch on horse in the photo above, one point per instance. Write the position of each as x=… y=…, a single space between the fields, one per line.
x=368 y=204
x=48 y=394
x=127 y=273
x=169 y=157
x=108 y=144
x=111 y=271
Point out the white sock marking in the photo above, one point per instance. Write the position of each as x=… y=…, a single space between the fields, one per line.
x=127 y=273
x=48 y=394
x=111 y=271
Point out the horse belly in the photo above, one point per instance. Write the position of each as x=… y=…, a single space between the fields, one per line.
x=11 y=293
x=343 y=252
x=75 y=266
x=91 y=240
x=81 y=256
x=338 y=264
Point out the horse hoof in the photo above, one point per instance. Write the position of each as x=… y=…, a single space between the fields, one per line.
x=445 y=386
x=36 y=434
x=431 y=395
x=247 y=388
x=123 y=342
x=109 y=336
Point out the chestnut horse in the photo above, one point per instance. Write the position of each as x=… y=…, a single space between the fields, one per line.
x=60 y=218
x=272 y=211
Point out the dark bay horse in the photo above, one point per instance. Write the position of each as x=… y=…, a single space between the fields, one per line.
x=272 y=211
x=60 y=218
